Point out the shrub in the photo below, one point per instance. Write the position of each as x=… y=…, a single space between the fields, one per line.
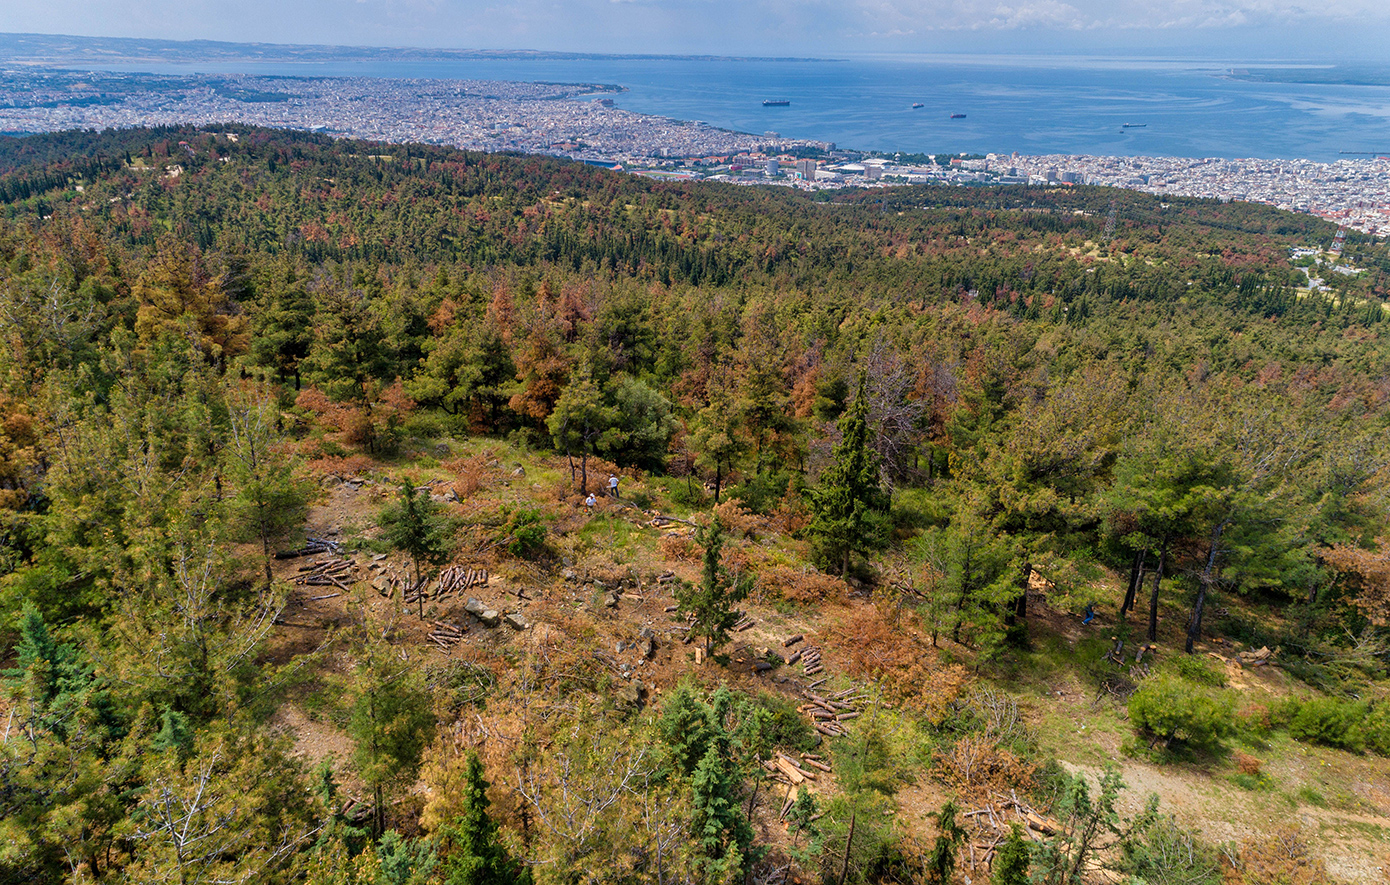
x=524 y=533
x=1198 y=671
x=1329 y=721
x=798 y=585
x=1167 y=709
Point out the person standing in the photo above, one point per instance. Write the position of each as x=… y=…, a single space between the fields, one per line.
x=589 y=503
x=613 y=484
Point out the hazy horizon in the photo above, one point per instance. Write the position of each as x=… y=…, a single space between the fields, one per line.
x=1269 y=30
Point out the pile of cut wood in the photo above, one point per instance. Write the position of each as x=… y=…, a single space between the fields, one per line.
x=809 y=657
x=314 y=547
x=457 y=579
x=829 y=712
x=327 y=573
x=446 y=635
x=786 y=770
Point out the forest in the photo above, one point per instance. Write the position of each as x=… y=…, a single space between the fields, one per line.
x=942 y=534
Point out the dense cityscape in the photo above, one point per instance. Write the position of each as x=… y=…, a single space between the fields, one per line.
x=580 y=121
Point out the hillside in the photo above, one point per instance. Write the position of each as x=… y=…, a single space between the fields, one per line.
x=939 y=510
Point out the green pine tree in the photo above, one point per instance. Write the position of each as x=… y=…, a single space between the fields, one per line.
x=1011 y=863
x=474 y=855
x=414 y=528
x=850 y=507
x=713 y=600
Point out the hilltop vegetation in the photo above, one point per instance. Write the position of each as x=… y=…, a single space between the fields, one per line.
x=1043 y=478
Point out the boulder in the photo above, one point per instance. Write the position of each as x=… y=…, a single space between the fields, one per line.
x=632 y=694
x=516 y=621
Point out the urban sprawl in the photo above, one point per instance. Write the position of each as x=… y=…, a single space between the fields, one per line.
x=580 y=121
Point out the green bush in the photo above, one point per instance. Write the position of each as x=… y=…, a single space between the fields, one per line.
x=689 y=492
x=1168 y=709
x=525 y=533
x=762 y=492
x=1341 y=723
x=1197 y=670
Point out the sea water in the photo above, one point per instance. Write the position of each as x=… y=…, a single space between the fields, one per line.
x=1032 y=105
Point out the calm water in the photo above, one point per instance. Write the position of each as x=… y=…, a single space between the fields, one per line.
x=1033 y=106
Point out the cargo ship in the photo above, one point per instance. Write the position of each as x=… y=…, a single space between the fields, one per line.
x=1135 y=125
x=775 y=102
x=958 y=116
x=917 y=104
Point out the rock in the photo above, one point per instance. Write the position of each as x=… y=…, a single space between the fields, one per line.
x=620 y=646
x=494 y=464
x=611 y=600
x=442 y=449
x=516 y=622
x=474 y=607
x=519 y=472
x=490 y=618
x=645 y=633
x=378 y=557
x=569 y=575
x=631 y=695
x=648 y=648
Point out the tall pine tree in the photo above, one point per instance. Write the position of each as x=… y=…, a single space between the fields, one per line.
x=850 y=507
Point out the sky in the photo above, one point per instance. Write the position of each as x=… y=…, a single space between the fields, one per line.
x=1273 y=30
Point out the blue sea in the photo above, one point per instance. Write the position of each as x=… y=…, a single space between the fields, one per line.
x=1033 y=105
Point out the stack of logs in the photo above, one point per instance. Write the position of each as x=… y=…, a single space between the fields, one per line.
x=809 y=657
x=458 y=579
x=829 y=712
x=327 y=573
x=455 y=579
x=446 y=635
x=744 y=622
x=314 y=547
x=784 y=769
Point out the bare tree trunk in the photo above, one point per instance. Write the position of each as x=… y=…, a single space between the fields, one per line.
x=1153 y=597
x=1136 y=580
x=1194 y=624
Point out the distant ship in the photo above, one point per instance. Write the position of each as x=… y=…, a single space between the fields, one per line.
x=917 y=104
x=775 y=102
x=958 y=116
x=1135 y=125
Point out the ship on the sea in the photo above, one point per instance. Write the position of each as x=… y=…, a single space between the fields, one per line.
x=958 y=116
x=917 y=104
x=1135 y=125
x=775 y=102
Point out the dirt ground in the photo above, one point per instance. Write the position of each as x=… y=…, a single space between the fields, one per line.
x=1352 y=826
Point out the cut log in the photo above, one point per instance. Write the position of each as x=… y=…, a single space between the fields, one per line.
x=792 y=640
x=327 y=596
x=815 y=763
x=790 y=770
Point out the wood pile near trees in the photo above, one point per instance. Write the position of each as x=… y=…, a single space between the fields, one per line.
x=327 y=573
x=786 y=770
x=314 y=547
x=828 y=712
x=446 y=635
